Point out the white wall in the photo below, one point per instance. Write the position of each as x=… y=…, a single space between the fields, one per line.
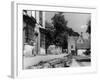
x=5 y=39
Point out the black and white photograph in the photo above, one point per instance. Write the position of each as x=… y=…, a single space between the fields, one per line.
x=53 y=39
x=50 y=40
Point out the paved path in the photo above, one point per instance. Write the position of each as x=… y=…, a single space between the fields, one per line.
x=79 y=64
x=74 y=63
x=29 y=61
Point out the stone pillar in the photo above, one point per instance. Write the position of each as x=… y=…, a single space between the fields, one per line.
x=37 y=16
x=38 y=38
x=39 y=34
x=43 y=22
x=33 y=14
x=43 y=19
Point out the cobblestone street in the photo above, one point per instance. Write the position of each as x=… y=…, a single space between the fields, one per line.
x=29 y=61
x=55 y=60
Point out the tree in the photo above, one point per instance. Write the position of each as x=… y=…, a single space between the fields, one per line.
x=57 y=33
x=89 y=27
x=59 y=22
x=60 y=34
x=71 y=32
x=49 y=34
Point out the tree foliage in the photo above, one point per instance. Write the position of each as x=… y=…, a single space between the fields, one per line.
x=89 y=27
x=58 y=33
x=59 y=22
x=61 y=35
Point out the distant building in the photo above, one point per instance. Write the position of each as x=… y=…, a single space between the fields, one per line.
x=78 y=43
x=83 y=44
x=72 y=44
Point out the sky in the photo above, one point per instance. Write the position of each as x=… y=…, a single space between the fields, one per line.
x=76 y=21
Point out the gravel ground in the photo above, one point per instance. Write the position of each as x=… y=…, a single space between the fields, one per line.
x=29 y=61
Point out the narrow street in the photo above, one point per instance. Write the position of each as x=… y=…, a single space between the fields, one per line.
x=82 y=60
x=29 y=61
x=74 y=63
x=79 y=64
x=76 y=60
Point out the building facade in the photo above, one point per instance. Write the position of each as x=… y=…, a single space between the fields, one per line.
x=77 y=44
x=32 y=22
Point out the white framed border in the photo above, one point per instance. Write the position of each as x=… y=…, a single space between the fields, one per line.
x=17 y=23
